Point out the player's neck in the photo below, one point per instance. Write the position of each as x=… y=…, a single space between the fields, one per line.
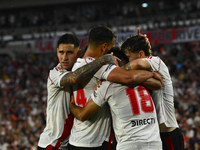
x=92 y=53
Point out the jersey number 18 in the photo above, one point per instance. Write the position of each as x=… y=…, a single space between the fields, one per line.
x=144 y=100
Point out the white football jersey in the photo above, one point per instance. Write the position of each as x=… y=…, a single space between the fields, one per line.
x=163 y=98
x=133 y=113
x=94 y=131
x=59 y=121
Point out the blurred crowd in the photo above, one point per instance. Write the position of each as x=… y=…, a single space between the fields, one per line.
x=23 y=94
x=23 y=97
x=76 y=14
x=183 y=61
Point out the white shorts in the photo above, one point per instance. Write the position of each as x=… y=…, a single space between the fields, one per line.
x=140 y=145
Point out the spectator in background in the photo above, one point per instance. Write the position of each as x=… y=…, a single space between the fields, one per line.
x=197 y=139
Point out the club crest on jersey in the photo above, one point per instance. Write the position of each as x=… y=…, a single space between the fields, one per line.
x=62 y=71
x=62 y=143
x=143 y=122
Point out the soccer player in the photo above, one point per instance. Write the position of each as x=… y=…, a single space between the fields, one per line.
x=133 y=113
x=94 y=133
x=136 y=49
x=59 y=119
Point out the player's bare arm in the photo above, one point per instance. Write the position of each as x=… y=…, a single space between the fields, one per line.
x=127 y=66
x=153 y=83
x=142 y=64
x=138 y=64
x=87 y=71
x=83 y=113
x=120 y=75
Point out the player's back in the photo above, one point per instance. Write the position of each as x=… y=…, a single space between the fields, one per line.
x=134 y=116
x=165 y=108
x=94 y=131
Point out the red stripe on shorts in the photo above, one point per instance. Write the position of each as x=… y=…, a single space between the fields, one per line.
x=50 y=147
x=168 y=141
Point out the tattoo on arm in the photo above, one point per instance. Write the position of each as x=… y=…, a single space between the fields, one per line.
x=86 y=71
x=127 y=66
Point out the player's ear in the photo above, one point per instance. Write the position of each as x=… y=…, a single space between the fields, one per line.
x=141 y=54
x=79 y=53
x=103 y=47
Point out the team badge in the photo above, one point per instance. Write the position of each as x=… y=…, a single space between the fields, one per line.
x=61 y=71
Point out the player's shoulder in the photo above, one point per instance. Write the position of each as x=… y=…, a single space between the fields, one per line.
x=84 y=60
x=81 y=62
x=152 y=57
x=89 y=59
x=57 y=70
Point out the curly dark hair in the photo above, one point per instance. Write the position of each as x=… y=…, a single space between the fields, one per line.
x=135 y=43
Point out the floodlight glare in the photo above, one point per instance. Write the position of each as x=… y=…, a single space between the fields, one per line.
x=144 y=5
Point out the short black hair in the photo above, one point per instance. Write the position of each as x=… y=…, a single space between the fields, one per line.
x=100 y=34
x=120 y=54
x=69 y=38
x=135 y=43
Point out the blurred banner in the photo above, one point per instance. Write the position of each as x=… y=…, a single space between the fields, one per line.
x=44 y=45
x=168 y=36
x=178 y=35
x=51 y=45
x=174 y=35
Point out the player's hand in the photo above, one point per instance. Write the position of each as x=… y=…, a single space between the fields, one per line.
x=157 y=76
x=145 y=36
x=98 y=85
x=115 y=59
x=72 y=99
